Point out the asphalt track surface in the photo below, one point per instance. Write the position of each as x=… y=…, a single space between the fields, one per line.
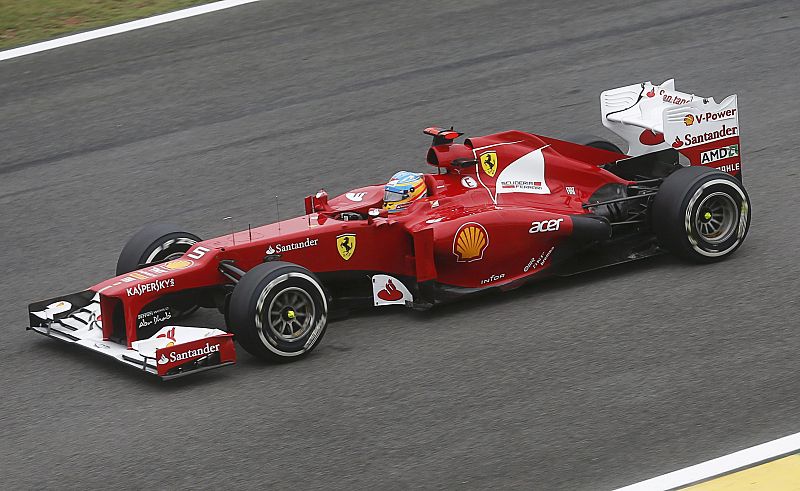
x=590 y=382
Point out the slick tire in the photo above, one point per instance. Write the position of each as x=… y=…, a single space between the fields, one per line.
x=278 y=311
x=701 y=214
x=596 y=142
x=156 y=243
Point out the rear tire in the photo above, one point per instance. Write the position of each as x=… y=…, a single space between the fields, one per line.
x=596 y=142
x=701 y=214
x=278 y=311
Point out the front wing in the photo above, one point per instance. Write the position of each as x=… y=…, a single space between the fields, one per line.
x=173 y=351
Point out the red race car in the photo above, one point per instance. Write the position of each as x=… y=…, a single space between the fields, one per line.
x=495 y=212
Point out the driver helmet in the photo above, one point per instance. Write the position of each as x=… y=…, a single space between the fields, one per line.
x=403 y=189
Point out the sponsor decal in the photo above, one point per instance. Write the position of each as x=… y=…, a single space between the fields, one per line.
x=709 y=116
x=468 y=182
x=651 y=138
x=102 y=346
x=719 y=154
x=434 y=220
x=524 y=175
x=146 y=319
x=730 y=167
x=677 y=143
x=156 y=271
x=570 y=190
x=387 y=290
x=175 y=356
x=470 y=242
x=546 y=226
x=673 y=98
x=706 y=137
x=390 y=293
x=435 y=204
x=53 y=309
x=153 y=286
x=493 y=278
x=489 y=163
x=357 y=197
x=281 y=248
x=178 y=264
x=521 y=185
x=346 y=245
x=535 y=262
x=651 y=92
x=198 y=252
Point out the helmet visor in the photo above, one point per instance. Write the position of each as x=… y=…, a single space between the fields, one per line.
x=392 y=196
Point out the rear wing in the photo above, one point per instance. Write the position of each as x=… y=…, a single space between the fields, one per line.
x=654 y=117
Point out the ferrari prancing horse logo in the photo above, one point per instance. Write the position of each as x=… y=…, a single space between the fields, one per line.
x=346 y=245
x=489 y=163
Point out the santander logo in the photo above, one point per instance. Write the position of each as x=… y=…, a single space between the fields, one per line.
x=390 y=293
x=677 y=143
x=388 y=290
x=652 y=92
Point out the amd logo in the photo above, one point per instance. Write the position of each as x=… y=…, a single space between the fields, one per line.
x=719 y=154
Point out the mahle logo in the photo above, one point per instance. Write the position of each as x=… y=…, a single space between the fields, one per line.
x=719 y=154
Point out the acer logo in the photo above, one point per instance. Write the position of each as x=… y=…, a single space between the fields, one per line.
x=546 y=226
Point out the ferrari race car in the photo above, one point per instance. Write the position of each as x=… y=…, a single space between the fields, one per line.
x=497 y=211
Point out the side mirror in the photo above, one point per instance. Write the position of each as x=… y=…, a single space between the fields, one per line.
x=317 y=202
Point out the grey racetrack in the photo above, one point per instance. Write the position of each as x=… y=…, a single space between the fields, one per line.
x=590 y=382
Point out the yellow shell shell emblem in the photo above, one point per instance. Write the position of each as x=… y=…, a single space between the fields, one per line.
x=688 y=120
x=489 y=163
x=178 y=264
x=470 y=242
x=346 y=245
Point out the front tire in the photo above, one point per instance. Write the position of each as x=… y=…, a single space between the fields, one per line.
x=701 y=214
x=278 y=311
x=156 y=243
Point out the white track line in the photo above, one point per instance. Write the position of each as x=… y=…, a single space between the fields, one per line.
x=120 y=28
x=738 y=460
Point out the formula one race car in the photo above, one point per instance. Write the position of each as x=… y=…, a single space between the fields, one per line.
x=498 y=211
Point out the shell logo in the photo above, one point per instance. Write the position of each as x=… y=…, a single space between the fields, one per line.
x=178 y=264
x=470 y=242
x=688 y=120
